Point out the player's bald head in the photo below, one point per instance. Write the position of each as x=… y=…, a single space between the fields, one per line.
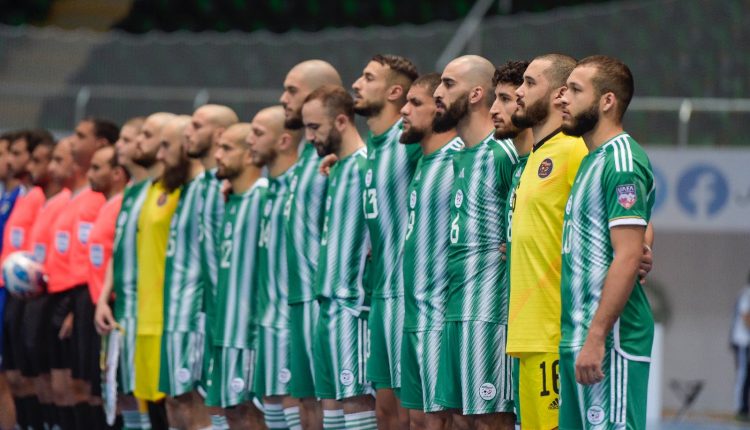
x=174 y=127
x=315 y=73
x=158 y=120
x=218 y=115
x=473 y=71
x=237 y=133
x=272 y=118
x=558 y=68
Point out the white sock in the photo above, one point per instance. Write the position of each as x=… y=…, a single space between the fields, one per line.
x=145 y=421
x=292 y=418
x=333 y=419
x=131 y=420
x=361 y=421
x=219 y=422
x=274 y=414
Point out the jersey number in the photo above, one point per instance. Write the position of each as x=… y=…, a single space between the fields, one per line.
x=555 y=376
x=454 y=230
x=172 y=243
x=265 y=234
x=226 y=253
x=410 y=226
x=370 y=203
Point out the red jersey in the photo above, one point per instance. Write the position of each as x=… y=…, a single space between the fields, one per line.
x=17 y=234
x=100 y=244
x=67 y=260
x=41 y=233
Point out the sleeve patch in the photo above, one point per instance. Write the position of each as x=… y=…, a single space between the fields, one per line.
x=626 y=195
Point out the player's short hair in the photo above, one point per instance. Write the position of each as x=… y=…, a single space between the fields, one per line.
x=399 y=65
x=510 y=73
x=39 y=137
x=429 y=81
x=335 y=99
x=104 y=129
x=10 y=136
x=612 y=75
x=559 y=70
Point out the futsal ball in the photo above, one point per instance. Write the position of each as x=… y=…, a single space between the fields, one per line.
x=23 y=276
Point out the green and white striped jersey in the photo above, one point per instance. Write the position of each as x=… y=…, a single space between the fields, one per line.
x=614 y=187
x=510 y=206
x=390 y=167
x=425 y=252
x=212 y=213
x=483 y=174
x=344 y=242
x=303 y=219
x=183 y=289
x=272 y=309
x=233 y=322
x=124 y=259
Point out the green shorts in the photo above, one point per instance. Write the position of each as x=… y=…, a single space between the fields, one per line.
x=272 y=374
x=302 y=319
x=340 y=352
x=420 y=353
x=618 y=402
x=386 y=324
x=475 y=375
x=181 y=362
x=231 y=373
x=125 y=364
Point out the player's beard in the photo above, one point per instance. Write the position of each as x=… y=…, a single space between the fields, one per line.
x=145 y=159
x=369 y=109
x=227 y=172
x=413 y=135
x=261 y=160
x=583 y=122
x=510 y=132
x=200 y=153
x=294 y=122
x=331 y=145
x=176 y=176
x=535 y=113
x=449 y=119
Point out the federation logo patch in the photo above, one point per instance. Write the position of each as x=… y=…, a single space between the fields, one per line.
x=626 y=195
x=413 y=199
x=346 y=377
x=62 y=241
x=96 y=254
x=368 y=177
x=487 y=391
x=595 y=415
x=285 y=375
x=459 y=200
x=84 y=231
x=545 y=168
x=237 y=385
x=16 y=237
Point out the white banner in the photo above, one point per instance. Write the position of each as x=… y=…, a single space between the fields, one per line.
x=701 y=190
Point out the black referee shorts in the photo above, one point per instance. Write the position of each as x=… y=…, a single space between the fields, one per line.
x=87 y=343
x=36 y=336
x=13 y=351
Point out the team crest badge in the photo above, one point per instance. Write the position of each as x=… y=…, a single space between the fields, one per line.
x=96 y=254
x=595 y=415
x=285 y=375
x=626 y=195
x=62 y=241
x=545 y=168
x=487 y=391
x=16 y=237
x=346 y=377
x=84 y=230
x=162 y=199
x=237 y=385
x=458 y=201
